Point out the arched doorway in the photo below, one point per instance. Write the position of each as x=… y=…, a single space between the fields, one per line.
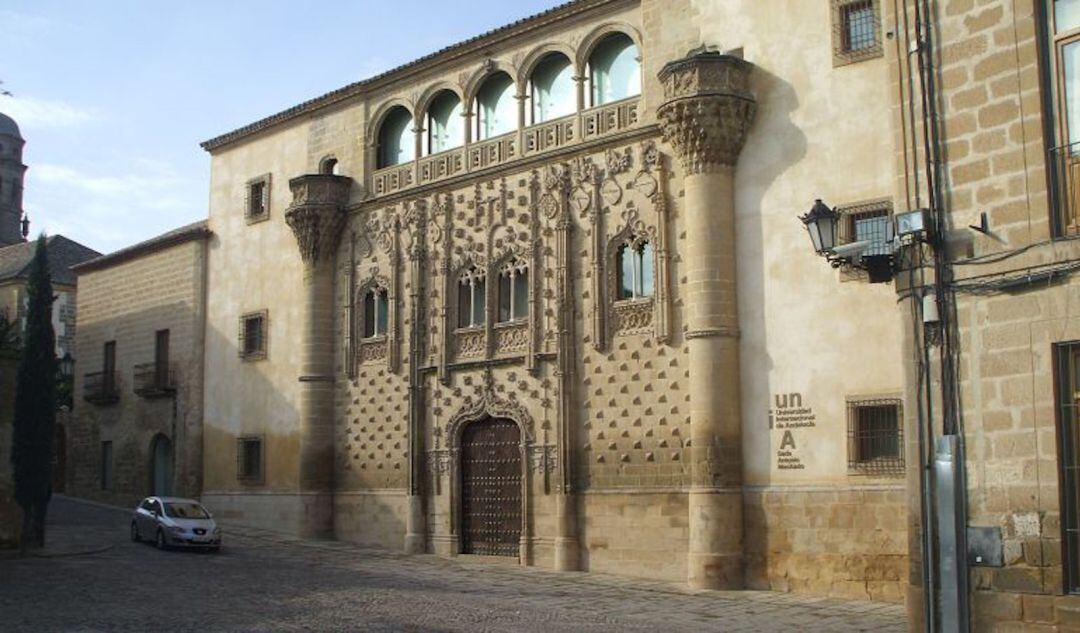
x=59 y=461
x=491 y=487
x=161 y=466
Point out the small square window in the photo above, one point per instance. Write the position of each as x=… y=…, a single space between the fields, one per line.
x=252 y=344
x=875 y=436
x=249 y=459
x=257 y=206
x=856 y=31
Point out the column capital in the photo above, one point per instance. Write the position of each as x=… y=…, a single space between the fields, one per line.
x=317 y=213
x=707 y=108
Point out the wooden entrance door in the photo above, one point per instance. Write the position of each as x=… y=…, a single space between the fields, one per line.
x=491 y=488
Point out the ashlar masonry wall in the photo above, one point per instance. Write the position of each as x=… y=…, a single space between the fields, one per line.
x=128 y=302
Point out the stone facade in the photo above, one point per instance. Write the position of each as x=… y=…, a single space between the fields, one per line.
x=147 y=407
x=678 y=435
x=10 y=513
x=994 y=74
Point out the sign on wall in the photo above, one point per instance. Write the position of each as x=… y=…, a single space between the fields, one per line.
x=791 y=418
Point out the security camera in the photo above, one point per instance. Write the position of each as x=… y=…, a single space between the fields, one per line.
x=854 y=250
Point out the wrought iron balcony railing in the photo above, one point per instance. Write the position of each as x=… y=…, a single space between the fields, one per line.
x=154 y=380
x=101 y=387
x=1065 y=194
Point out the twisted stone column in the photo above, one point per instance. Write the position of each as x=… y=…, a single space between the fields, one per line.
x=706 y=113
x=316 y=216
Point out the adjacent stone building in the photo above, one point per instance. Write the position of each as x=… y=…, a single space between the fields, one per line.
x=1002 y=87
x=543 y=295
x=10 y=513
x=137 y=422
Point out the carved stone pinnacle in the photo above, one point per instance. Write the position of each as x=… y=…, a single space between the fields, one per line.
x=317 y=213
x=707 y=108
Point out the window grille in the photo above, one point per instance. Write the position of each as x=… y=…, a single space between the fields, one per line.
x=253 y=334
x=1067 y=374
x=858 y=23
x=856 y=31
x=249 y=459
x=258 y=199
x=875 y=436
x=870 y=221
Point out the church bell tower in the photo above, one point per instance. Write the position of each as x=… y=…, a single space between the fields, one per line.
x=12 y=171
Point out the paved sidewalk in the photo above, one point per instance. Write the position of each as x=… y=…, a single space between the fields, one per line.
x=265 y=581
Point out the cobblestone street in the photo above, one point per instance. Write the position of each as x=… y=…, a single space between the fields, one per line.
x=94 y=579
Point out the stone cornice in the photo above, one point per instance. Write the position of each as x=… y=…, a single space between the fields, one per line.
x=195 y=231
x=707 y=109
x=479 y=43
x=317 y=214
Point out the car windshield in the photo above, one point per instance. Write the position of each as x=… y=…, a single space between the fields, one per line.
x=185 y=510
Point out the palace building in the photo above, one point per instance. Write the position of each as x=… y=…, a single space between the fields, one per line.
x=545 y=295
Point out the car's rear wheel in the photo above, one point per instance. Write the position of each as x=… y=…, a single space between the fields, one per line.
x=160 y=541
x=135 y=532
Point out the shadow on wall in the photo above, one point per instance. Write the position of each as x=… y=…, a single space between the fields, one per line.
x=774 y=145
x=259 y=399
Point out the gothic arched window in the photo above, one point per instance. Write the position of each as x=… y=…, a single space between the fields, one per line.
x=614 y=70
x=472 y=301
x=496 y=108
x=552 y=88
x=513 y=292
x=635 y=270
x=376 y=310
x=445 y=125
x=397 y=141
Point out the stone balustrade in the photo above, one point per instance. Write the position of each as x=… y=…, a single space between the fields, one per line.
x=476 y=156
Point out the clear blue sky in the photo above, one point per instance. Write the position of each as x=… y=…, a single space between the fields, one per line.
x=113 y=97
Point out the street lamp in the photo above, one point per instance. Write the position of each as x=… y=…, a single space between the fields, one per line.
x=821 y=225
x=67 y=365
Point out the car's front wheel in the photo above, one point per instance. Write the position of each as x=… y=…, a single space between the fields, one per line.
x=160 y=541
x=135 y=532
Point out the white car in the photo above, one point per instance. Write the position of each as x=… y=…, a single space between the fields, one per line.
x=175 y=522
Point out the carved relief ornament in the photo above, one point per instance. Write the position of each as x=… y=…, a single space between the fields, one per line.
x=489 y=404
x=316 y=214
x=707 y=109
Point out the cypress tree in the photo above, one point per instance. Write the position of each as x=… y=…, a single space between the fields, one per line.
x=35 y=404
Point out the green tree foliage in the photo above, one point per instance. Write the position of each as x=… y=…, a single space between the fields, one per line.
x=35 y=404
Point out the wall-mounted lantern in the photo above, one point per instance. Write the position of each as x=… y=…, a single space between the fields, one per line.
x=821 y=223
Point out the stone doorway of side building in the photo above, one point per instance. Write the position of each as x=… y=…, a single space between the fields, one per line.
x=161 y=466
x=491 y=477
